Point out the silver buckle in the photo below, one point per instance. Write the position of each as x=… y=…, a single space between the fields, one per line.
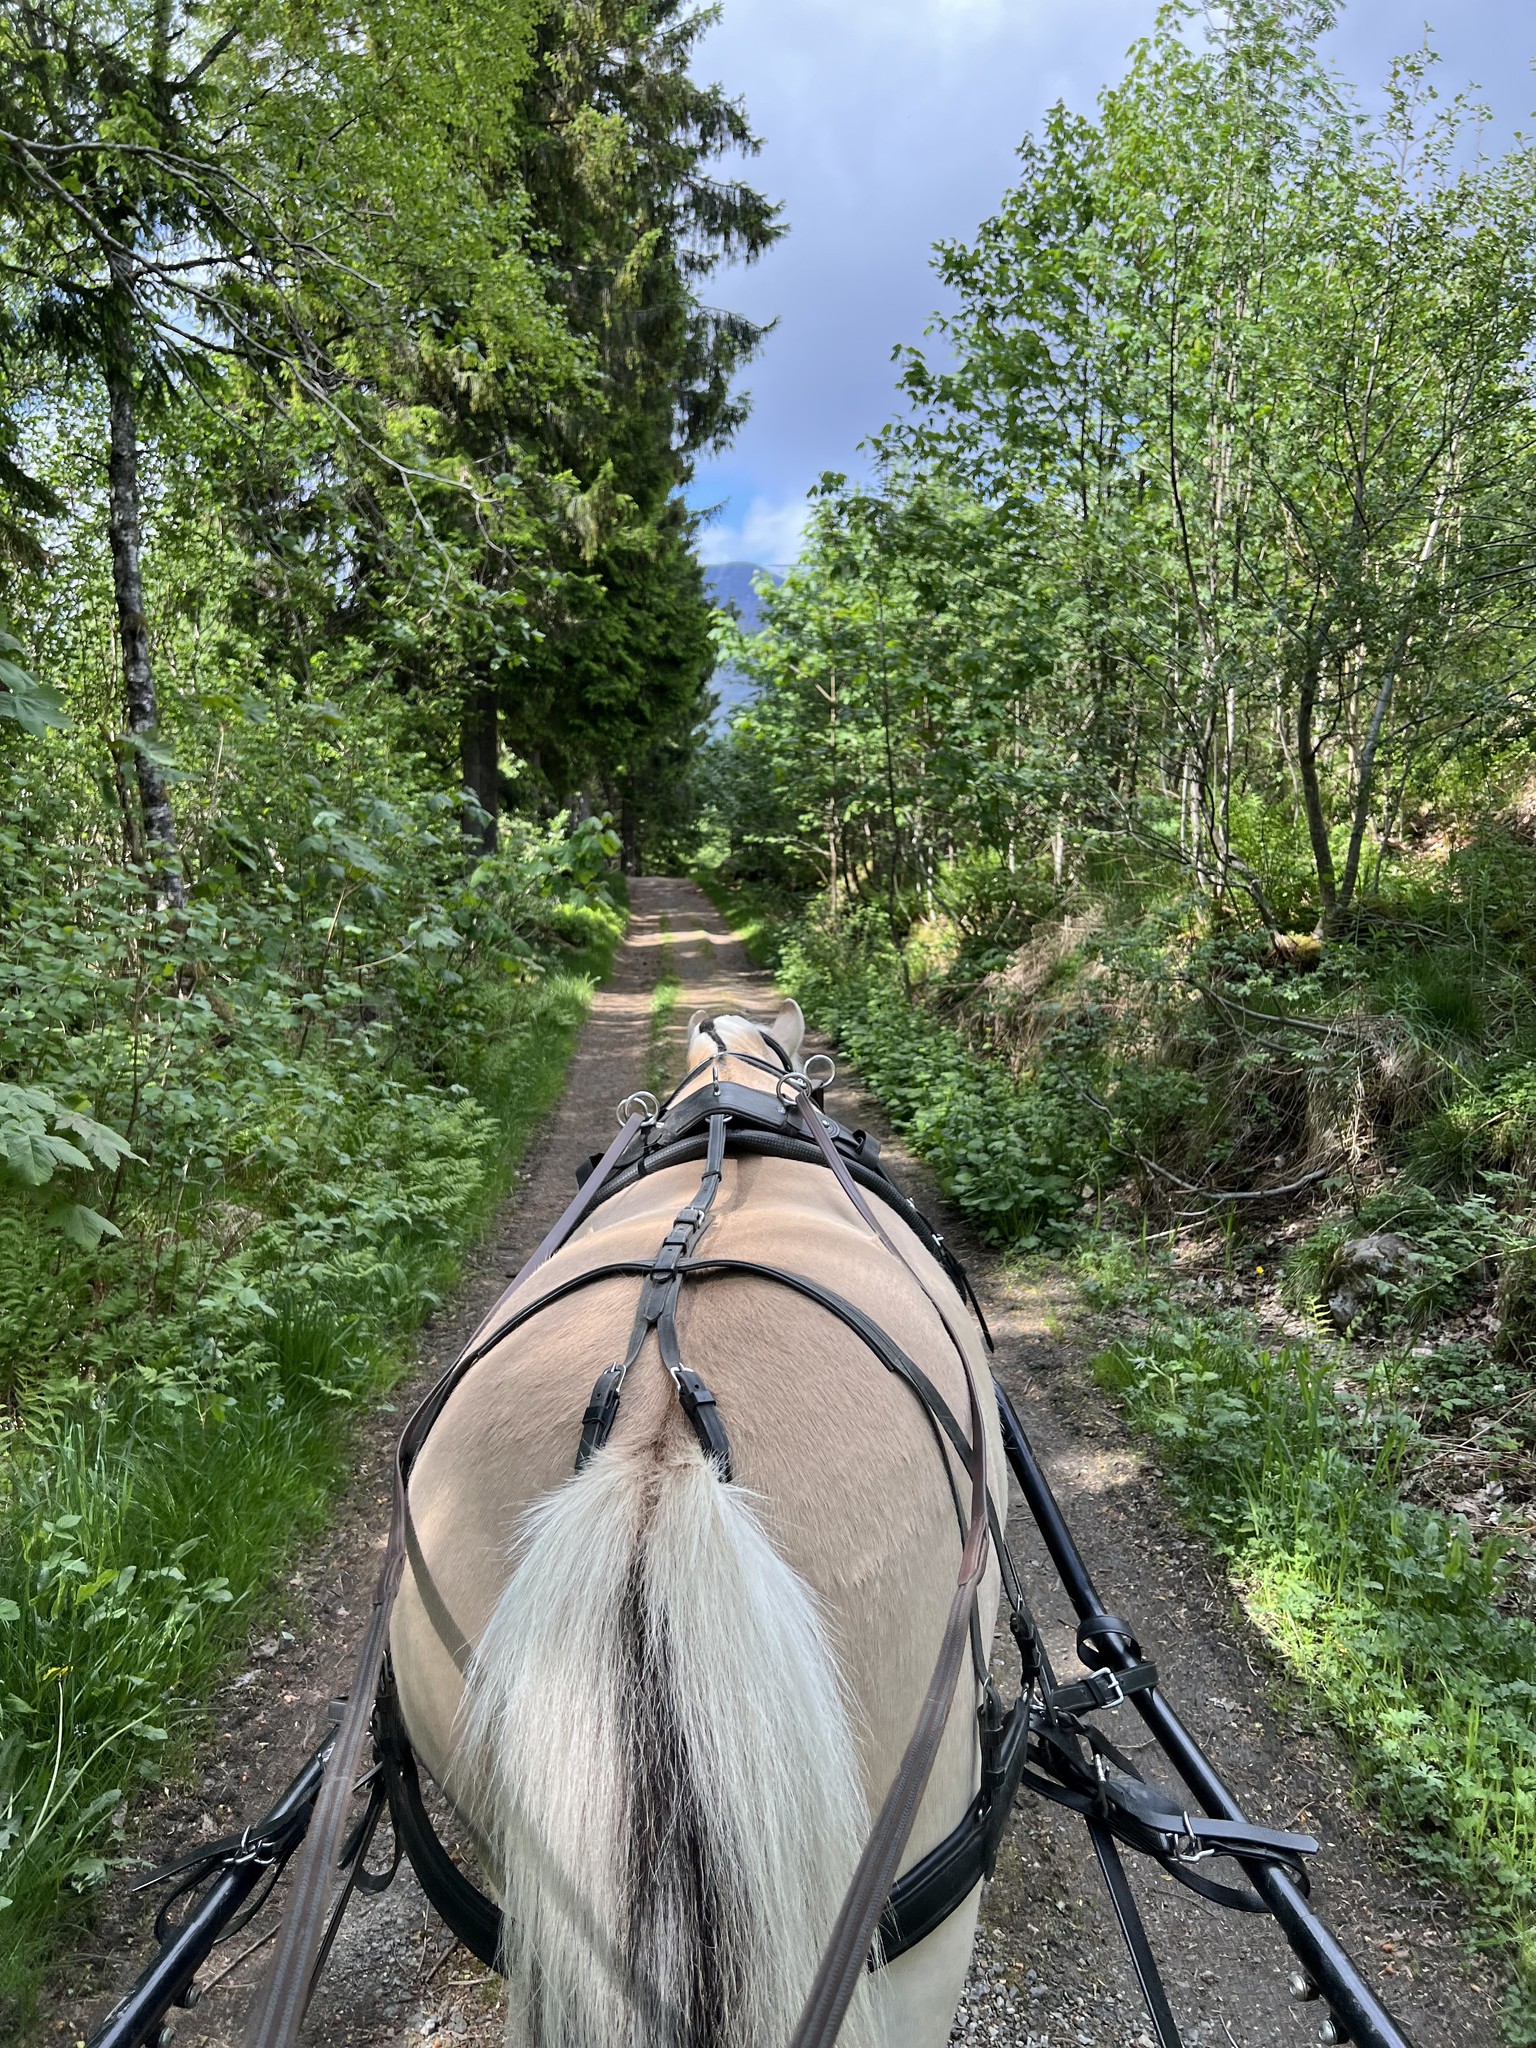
x=1193 y=1853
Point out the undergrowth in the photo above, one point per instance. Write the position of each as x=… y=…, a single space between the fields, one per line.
x=1010 y=1154
x=142 y=1521
x=242 y=1150
x=1389 y=1613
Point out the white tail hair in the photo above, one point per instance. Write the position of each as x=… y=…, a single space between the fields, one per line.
x=661 y=1752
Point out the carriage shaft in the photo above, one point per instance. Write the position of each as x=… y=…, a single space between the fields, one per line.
x=168 y=1978
x=1358 y=2014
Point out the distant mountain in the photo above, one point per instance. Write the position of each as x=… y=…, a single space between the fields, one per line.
x=730 y=586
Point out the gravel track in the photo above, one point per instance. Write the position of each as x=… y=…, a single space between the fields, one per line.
x=1049 y=1969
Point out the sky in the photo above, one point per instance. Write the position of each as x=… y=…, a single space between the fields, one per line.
x=888 y=125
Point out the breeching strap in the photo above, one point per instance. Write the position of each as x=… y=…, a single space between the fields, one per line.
x=279 y=2013
x=846 y=1954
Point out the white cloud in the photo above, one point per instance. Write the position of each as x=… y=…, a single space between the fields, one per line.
x=769 y=535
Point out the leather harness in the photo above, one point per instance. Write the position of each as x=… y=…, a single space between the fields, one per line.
x=882 y=1917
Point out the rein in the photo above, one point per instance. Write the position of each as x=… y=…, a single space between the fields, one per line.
x=279 y=2013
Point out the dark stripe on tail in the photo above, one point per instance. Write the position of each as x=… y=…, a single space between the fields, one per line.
x=686 y=1919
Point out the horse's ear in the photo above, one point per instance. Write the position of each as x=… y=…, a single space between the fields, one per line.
x=789 y=1028
x=699 y=1017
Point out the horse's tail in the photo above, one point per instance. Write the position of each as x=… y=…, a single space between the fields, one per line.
x=659 y=1737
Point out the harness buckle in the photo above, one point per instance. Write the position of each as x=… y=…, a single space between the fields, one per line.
x=247 y=1850
x=1115 y=1697
x=1190 y=1852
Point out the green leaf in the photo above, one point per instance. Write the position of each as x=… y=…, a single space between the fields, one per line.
x=32 y=705
x=82 y=1226
x=9 y=1611
x=106 y=1146
x=32 y=1156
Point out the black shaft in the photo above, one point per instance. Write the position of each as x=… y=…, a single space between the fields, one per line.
x=136 y=2020
x=1356 y=2010
x=1143 y=1962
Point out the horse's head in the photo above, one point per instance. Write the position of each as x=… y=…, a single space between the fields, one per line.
x=777 y=1044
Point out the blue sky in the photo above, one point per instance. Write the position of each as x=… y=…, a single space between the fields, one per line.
x=891 y=124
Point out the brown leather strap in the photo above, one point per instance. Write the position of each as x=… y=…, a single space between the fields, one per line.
x=279 y=2013
x=843 y=1961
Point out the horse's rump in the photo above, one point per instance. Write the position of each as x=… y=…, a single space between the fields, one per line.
x=835 y=1465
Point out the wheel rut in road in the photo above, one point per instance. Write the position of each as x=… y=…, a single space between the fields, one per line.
x=1050 y=1969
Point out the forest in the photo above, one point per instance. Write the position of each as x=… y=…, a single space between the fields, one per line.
x=1136 y=780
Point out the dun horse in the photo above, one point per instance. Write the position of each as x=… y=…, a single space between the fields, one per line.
x=666 y=1702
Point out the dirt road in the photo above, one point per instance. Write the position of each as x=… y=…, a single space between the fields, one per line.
x=1050 y=1970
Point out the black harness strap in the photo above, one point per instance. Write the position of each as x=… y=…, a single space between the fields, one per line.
x=1127 y=1913
x=658 y=1311
x=763 y=1123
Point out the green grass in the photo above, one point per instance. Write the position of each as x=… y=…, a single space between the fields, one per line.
x=1389 y=1615
x=144 y=1519
x=664 y=999
x=758 y=919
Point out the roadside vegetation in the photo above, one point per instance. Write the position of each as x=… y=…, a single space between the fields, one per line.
x=353 y=361
x=1139 y=784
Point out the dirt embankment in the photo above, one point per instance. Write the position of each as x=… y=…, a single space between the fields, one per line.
x=1050 y=1970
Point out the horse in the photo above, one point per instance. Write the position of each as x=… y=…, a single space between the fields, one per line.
x=662 y=1701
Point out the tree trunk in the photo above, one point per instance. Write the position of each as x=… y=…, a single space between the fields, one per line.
x=123 y=535
x=1365 y=771
x=479 y=757
x=1312 y=800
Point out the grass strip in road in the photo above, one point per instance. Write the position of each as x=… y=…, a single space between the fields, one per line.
x=757 y=919
x=664 y=1000
x=144 y=1521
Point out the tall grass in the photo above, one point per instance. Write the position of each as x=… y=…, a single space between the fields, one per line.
x=142 y=1519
